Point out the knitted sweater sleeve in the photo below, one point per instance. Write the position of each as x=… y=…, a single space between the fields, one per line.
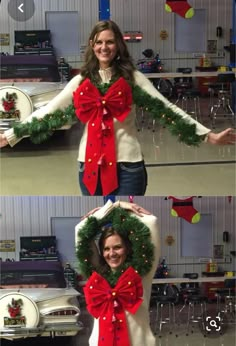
x=61 y=101
x=147 y=87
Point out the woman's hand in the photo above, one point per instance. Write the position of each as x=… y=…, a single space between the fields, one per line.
x=3 y=140
x=222 y=138
x=135 y=208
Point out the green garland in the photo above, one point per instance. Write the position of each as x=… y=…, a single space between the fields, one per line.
x=175 y=123
x=40 y=129
x=138 y=234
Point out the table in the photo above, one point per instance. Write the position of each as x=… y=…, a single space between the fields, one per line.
x=187 y=280
x=204 y=78
x=184 y=280
x=193 y=74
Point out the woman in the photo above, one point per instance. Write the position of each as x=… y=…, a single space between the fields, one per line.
x=114 y=249
x=104 y=95
x=120 y=266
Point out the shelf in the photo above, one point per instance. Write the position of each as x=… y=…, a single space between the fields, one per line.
x=33 y=42
x=39 y=258
x=35 y=51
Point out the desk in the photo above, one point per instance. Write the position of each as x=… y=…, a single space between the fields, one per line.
x=211 y=284
x=204 y=78
x=187 y=280
x=194 y=74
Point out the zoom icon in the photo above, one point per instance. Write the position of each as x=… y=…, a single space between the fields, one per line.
x=21 y=10
x=213 y=324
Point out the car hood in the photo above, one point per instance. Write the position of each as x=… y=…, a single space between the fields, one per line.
x=39 y=294
x=35 y=88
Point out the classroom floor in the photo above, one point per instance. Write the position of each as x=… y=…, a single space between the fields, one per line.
x=175 y=336
x=173 y=168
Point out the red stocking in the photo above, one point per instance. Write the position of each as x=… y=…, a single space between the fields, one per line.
x=184 y=208
x=180 y=7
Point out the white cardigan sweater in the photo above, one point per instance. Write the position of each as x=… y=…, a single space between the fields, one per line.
x=140 y=333
x=128 y=148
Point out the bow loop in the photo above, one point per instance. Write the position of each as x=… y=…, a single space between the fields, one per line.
x=99 y=112
x=109 y=305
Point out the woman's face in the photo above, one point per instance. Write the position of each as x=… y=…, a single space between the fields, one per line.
x=114 y=251
x=105 y=48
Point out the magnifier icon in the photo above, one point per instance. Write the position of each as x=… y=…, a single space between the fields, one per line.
x=213 y=323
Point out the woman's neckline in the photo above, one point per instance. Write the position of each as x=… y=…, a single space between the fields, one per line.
x=105 y=69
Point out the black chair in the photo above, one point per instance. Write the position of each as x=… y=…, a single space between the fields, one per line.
x=187 y=94
x=189 y=288
x=181 y=84
x=166 y=297
x=194 y=301
x=165 y=314
x=223 y=90
x=227 y=295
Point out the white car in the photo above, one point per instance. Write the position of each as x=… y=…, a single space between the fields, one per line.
x=27 y=83
x=35 y=301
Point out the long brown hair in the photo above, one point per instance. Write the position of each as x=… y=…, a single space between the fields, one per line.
x=122 y=65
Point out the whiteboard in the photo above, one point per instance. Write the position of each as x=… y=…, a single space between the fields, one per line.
x=191 y=34
x=197 y=239
x=64 y=230
x=64 y=32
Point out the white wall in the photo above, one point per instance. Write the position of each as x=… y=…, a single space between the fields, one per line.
x=148 y=16
x=31 y=216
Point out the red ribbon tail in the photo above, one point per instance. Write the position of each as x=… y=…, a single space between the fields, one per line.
x=113 y=331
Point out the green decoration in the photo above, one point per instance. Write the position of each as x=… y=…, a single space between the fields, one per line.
x=39 y=130
x=103 y=87
x=175 y=123
x=124 y=223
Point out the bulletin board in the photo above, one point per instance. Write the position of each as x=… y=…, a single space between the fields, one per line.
x=63 y=228
x=197 y=239
x=63 y=26
x=191 y=34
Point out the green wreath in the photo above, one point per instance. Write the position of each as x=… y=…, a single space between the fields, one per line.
x=124 y=223
x=40 y=129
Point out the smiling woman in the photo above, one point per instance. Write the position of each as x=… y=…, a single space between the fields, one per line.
x=104 y=47
x=104 y=97
x=114 y=248
x=118 y=250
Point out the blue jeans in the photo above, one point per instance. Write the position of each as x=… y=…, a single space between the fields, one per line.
x=132 y=180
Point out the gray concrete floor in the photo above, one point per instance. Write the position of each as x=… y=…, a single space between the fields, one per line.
x=175 y=336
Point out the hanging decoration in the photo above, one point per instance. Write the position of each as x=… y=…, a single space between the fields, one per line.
x=163 y=35
x=170 y=240
x=180 y=7
x=183 y=207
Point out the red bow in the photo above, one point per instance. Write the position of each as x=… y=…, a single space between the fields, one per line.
x=109 y=305
x=98 y=112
